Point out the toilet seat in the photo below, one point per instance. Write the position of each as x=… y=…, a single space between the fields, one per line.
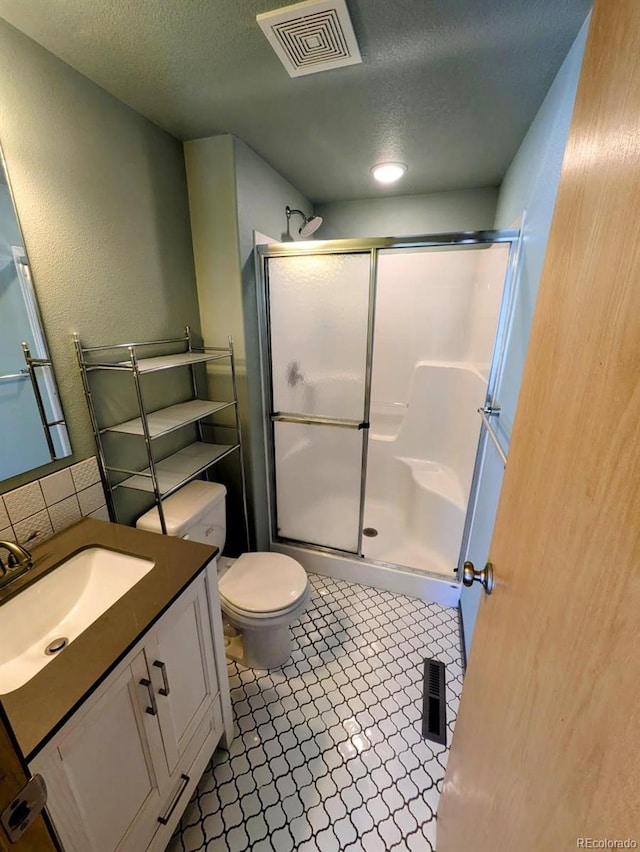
x=263 y=618
x=263 y=585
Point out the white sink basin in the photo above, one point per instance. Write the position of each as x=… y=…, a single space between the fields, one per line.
x=60 y=606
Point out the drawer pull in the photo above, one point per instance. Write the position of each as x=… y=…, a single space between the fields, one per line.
x=160 y=665
x=163 y=820
x=153 y=710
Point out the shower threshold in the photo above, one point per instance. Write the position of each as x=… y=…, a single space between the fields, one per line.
x=403 y=580
x=407 y=554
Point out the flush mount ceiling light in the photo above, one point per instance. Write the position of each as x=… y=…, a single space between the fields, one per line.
x=388 y=172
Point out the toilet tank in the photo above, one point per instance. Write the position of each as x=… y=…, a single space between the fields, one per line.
x=196 y=512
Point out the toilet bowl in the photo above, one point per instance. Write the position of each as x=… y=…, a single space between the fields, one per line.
x=261 y=594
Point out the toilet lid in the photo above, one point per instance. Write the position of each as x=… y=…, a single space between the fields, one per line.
x=263 y=582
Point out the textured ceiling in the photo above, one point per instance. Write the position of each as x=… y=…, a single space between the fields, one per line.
x=447 y=86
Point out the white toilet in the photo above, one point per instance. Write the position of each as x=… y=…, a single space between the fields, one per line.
x=261 y=594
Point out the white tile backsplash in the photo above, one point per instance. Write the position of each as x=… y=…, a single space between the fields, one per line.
x=23 y=502
x=101 y=514
x=91 y=499
x=57 y=487
x=85 y=473
x=65 y=513
x=34 y=529
x=53 y=503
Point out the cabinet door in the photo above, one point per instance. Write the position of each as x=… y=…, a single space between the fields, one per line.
x=181 y=661
x=94 y=804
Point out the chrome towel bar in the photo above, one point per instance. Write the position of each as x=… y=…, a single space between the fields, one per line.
x=312 y=420
x=486 y=414
x=23 y=374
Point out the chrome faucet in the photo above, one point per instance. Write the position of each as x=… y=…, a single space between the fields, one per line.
x=18 y=562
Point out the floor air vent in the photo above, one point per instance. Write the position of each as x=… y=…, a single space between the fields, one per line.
x=313 y=36
x=434 y=705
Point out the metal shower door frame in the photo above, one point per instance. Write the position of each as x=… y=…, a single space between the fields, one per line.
x=371 y=247
x=264 y=312
x=491 y=408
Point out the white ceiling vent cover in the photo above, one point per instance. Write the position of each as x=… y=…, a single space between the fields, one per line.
x=312 y=36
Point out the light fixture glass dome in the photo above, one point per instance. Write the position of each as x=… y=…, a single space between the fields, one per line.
x=388 y=172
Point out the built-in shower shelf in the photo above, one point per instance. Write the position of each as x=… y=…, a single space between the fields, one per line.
x=168 y=362
x=177 y=469
x=438 y=478
x=168 y=419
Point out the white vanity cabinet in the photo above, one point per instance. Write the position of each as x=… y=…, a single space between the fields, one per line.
x=182 y=670
x=120 y=772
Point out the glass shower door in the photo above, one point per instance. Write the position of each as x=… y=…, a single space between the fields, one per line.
x=319 y=319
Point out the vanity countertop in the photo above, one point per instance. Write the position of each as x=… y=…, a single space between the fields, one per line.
x=37 y=708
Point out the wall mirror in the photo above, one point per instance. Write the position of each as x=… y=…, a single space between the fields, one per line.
x=32 y=427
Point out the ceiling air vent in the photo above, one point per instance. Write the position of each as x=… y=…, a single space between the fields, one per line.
x=312 y=36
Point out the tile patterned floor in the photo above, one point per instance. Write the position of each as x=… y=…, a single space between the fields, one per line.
x=328 y=753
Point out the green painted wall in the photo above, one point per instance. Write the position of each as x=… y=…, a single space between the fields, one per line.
x=530 y=185
x=408 y=215
x=101 y=195
x=262 y=195
x=232 y=193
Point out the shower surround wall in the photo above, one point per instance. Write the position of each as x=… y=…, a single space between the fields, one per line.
x=435 y=325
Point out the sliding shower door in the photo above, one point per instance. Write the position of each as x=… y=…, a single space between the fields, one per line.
x=320 y=344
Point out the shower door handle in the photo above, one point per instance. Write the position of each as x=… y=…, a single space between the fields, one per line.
x=314 y=420
x=485 y=577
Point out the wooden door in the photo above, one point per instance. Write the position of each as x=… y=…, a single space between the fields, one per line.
x=181 y=662
x=546 y=749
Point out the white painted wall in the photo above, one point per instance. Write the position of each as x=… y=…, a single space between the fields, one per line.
x=531 y=184
x=403 y=215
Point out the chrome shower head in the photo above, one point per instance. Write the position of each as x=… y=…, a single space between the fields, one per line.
x=310 y=224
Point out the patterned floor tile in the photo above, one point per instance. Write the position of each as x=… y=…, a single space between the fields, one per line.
x=328 y=753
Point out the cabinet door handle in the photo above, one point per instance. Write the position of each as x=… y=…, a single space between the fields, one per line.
x=163 y=820
x=153 y=710
x=160 y=665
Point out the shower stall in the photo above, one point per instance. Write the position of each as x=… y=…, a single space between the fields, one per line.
x=377 y=356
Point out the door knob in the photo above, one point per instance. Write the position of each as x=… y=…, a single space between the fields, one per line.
x=484 y=577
